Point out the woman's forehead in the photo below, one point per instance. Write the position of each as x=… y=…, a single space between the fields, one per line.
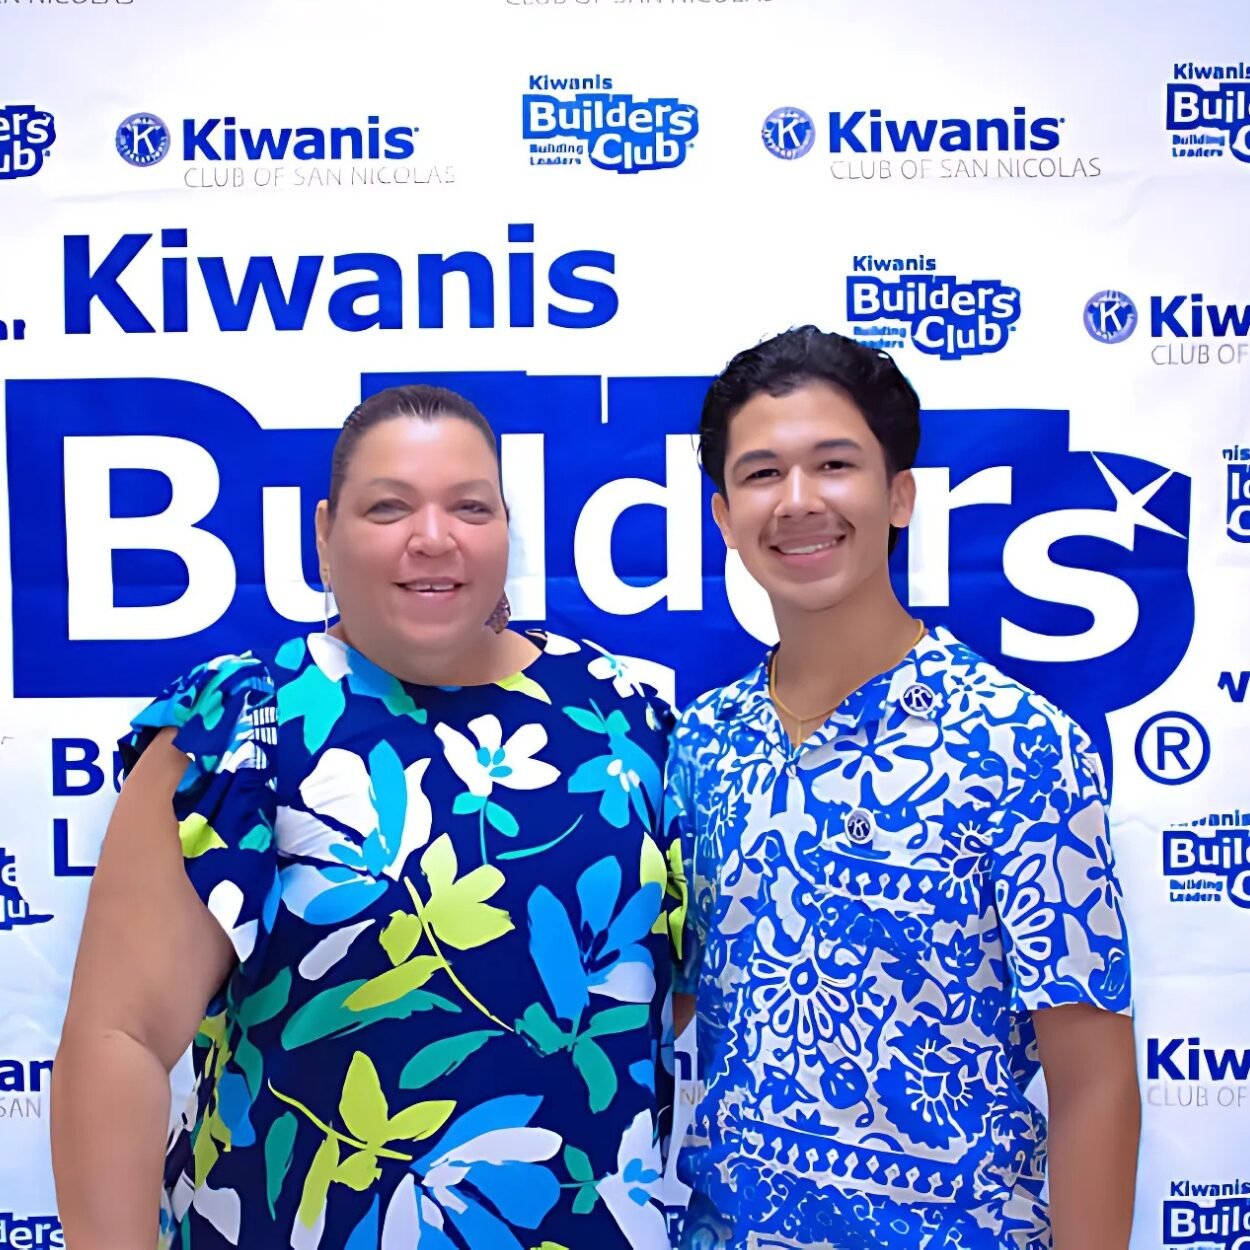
x=415 y=448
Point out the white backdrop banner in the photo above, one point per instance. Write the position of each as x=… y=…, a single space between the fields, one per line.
x=224 y=222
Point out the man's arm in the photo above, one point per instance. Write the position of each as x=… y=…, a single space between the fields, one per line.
x=1089 y=1061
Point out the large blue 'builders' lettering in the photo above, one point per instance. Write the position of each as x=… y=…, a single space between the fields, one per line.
x=154 y=522
x=368 y=290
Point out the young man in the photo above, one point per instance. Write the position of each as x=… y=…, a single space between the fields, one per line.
x=902 y=891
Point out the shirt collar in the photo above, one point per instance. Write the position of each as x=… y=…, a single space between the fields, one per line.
x=915 y=684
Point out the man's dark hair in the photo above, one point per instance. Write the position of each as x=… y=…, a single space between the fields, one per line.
x=782 y=364
x=778 y=366
x=422 y=403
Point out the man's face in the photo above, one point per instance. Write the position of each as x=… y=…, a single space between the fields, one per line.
x=808 y=501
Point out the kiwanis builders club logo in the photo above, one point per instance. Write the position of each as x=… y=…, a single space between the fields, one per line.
x=1207 y=1215
x=575 y=121
x=1208 y=110
x=26 y=137
x=892 y=301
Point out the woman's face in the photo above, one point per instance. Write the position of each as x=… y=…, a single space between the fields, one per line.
x=417 y=548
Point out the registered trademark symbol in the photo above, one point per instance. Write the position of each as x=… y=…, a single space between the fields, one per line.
x=1172 y=748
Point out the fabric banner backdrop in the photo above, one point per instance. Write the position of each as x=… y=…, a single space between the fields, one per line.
x=223 y=223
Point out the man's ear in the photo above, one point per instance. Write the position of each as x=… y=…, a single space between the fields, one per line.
x=720 y=514
x=902 y=499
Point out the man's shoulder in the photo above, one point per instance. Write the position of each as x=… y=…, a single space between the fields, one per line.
x=728 y=699
x=978 y=689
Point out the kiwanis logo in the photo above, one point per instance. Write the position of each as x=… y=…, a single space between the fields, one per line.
x=1110 y=317
x=788 y=133
x=1184 y=329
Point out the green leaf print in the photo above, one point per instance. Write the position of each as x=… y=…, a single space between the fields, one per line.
x=585 y=1201
x=596 y=1070
x=524 y=685
x=618 y=1020
x=258 y=838
x=578 y=1164
x=251 y=1063
x=502 y=819
x=443 y=1057
x=317 y=1182
x=399 y=702
x=205 y=1151
x=198 y=836
x=358 y=1171
x=279 y=1148
x=421 y=1120
x=465 y=804
x=457 y=910
x=542 y=1030
x=363 y=1104
x=680 y=890
x=327 y=1015
x=264 y=1004
x=583 y=719
x=394 y=984
x=400 y=937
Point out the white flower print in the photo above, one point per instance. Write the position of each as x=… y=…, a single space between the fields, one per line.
x=492 y=761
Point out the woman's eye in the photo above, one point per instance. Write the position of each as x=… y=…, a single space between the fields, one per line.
x=759 y=474
x=384 y=506
x=836 y=464
x=475 y=507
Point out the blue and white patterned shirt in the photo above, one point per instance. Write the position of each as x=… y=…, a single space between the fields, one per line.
x=873 y=916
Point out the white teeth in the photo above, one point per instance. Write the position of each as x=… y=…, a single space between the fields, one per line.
x=803 y=551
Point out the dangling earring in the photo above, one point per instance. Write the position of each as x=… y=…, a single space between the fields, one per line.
x=325 y=600
x=499 y=618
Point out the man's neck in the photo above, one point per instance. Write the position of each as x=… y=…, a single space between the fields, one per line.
x=824 y=657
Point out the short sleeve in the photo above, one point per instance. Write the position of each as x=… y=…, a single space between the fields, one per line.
x=1055 y=885
x=679 y=823
x=226 y=720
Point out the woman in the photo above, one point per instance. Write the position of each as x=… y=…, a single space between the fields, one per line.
x=412 y=903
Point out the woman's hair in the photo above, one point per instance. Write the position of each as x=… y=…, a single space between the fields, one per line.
x=422 y=403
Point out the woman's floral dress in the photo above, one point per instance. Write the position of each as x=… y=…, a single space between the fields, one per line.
x=454 y=912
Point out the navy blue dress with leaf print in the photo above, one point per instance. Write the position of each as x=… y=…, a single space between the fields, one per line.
x=453 y=911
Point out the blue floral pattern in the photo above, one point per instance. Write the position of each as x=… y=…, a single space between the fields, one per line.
x=873 y=917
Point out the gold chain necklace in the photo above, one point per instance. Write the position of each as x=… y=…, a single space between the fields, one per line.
x=821 y=717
